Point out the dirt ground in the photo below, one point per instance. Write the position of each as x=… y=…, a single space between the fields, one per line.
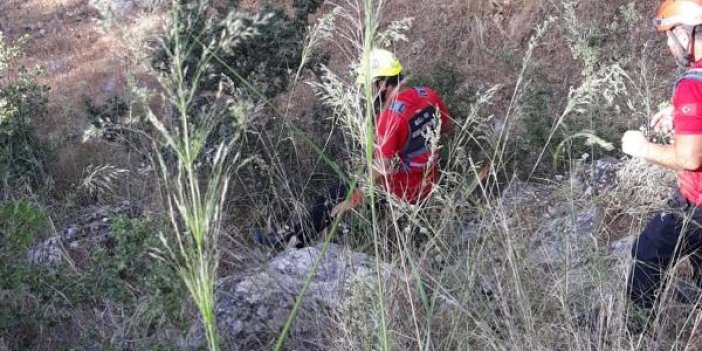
x=78 y=56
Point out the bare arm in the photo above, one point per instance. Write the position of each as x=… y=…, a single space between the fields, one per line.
x=684 y=155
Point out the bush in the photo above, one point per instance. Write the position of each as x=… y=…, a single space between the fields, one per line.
x=266 y=61
x=21 y=223
x=22 y=155
x=537 y=118
x=122 y=275
x=124 y=271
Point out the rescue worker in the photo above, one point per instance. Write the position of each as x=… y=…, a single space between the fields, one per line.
x=674 y=233
x=406 y=165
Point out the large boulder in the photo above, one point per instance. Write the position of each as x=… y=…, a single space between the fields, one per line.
x=253 y=306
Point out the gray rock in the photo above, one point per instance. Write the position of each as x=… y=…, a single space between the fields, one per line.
x=621 y=249
x=47 y=253
x=122 y=8
x=600 y=175
x=88 y=230
x=253 y=306
x=57 y=66
x=585 y=222
x=111 y=85
x=71 y=232
x=605 y=172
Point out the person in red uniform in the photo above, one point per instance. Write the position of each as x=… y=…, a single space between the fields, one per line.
x=674 y=233
x=408 y=118
x=406 y=162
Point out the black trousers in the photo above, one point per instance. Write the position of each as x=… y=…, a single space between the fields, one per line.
x=668 y=237
x=318 y=217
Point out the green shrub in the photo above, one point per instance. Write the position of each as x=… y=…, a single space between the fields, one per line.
x=23 y=156
x=124 y=271
x=266 y=61
x=21 y=223
x=536 y=118
x=121 y=274
x=22 y=101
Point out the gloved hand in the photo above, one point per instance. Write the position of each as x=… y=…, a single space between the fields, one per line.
x=355 y=200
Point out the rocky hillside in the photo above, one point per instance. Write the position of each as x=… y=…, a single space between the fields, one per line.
x=143 y=141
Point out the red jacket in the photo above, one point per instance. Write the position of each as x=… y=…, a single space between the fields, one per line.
x=687 y=119
x=401 y=132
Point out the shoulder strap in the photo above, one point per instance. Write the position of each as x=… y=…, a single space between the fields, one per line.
x=694 y=74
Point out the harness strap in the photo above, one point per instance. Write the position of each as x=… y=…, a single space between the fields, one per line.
x=694 y=74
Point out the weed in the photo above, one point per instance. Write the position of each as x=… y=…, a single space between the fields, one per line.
x=194 y=175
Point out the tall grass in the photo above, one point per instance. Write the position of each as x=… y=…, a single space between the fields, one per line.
x=497 y=271
x=195 y=175
x=371 y=22
x=492 y=272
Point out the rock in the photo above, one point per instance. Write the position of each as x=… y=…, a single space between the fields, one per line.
x=600 y=175
x=47 y=253
x=90 y=229
x=57 y=66
x=122 y=8
x=71 y=232
x=253 y=306
x=111 y=85
x=585 y=222
x=621 y=249
x=605 y=173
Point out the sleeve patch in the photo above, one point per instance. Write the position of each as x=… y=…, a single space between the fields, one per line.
x=398 y=106
x=422 y=92
x=690 y=109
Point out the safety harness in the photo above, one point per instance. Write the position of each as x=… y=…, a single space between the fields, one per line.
x=419 y=124
x=693 y=73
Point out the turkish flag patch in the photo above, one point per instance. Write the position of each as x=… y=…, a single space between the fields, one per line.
x=690 y=109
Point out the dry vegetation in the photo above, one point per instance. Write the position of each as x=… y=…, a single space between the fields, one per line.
x=495 y=265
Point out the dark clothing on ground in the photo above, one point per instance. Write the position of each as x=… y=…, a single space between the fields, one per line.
x=319 y=215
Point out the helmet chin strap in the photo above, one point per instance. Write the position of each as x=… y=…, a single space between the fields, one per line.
x=684 y=56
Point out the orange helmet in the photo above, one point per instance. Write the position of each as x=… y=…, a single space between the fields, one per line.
x=673 y=13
